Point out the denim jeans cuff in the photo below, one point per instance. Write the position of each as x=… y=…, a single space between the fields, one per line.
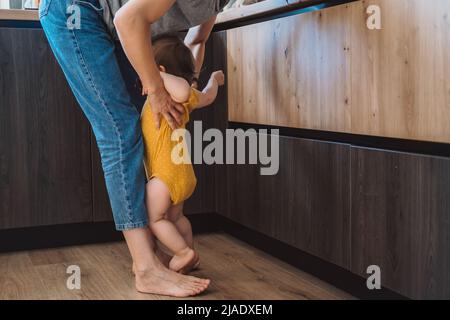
x=131 y=225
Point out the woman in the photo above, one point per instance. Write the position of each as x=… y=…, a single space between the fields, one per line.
x=86 y=53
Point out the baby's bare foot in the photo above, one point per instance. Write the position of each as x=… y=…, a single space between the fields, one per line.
x=182 y=259
x=196 y=263
x=166 y=282
x=193 y=265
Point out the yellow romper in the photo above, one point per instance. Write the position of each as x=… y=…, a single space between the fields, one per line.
x=179 y=178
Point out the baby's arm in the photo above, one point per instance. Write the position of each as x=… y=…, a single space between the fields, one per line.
x=178 y=88
x=209 y=93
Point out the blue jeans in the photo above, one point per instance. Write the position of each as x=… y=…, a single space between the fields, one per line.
x=88 y=60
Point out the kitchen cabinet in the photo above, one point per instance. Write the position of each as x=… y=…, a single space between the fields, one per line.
x=45 y=162
x=219 y=62
x=292 y=72
x=203 y=198
x=401 y=74
x=345 y=204
x=50 y=168
x=206 y=196
x=401 y=220
x=354 y=207
x=306 y=205
x=326 y=70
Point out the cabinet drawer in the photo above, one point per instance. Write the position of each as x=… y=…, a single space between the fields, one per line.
x=305 y=205
x=401 y=220
x=45 y=162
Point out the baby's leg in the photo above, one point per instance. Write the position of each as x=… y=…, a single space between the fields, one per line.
x=175 y=214
x=158 y=203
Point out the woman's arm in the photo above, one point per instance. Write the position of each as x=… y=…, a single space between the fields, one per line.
x=133 y=22
x=196 y=39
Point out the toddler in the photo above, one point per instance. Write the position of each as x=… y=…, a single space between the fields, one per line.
x=170 y=184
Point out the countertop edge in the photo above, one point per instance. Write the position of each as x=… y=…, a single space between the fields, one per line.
x=230 y=16
x=269 y=9
x=19 y=15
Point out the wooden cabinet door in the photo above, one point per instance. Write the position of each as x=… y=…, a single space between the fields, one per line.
x=292 y=72
x=326 y=70
x=205 y=197
x=45 y=163
x=401 y=73
x=306 y=205
x=401 y=220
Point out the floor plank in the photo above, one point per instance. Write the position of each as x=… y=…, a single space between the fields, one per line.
x=237 y=270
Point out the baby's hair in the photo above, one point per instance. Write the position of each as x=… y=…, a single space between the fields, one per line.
x=171 y=53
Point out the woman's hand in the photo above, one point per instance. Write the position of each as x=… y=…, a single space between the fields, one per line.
x=162 y=104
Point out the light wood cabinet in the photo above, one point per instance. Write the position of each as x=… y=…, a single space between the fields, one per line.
x=293 y=71
x=326 y=70
x=401 y=73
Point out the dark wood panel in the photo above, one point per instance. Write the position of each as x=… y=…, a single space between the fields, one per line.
x=45 y=171
x=219 y=54
x=401 y=220
x=203 y=198
x=215 y=116
x=100 y=199
x=305 y=205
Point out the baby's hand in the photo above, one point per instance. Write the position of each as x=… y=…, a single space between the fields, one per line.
x=219 y=77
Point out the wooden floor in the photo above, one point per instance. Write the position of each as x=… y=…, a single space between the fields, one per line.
x=238 y=271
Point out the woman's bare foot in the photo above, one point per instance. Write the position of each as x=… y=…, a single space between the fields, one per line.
x=162 y=256
x=182 y=259
x=166 y=282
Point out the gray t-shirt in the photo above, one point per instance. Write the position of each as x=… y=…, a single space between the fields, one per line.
x=181 y=16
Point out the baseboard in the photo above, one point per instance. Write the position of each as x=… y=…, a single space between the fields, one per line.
x=42 y=237
x=57 y=236
x=205 y=222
